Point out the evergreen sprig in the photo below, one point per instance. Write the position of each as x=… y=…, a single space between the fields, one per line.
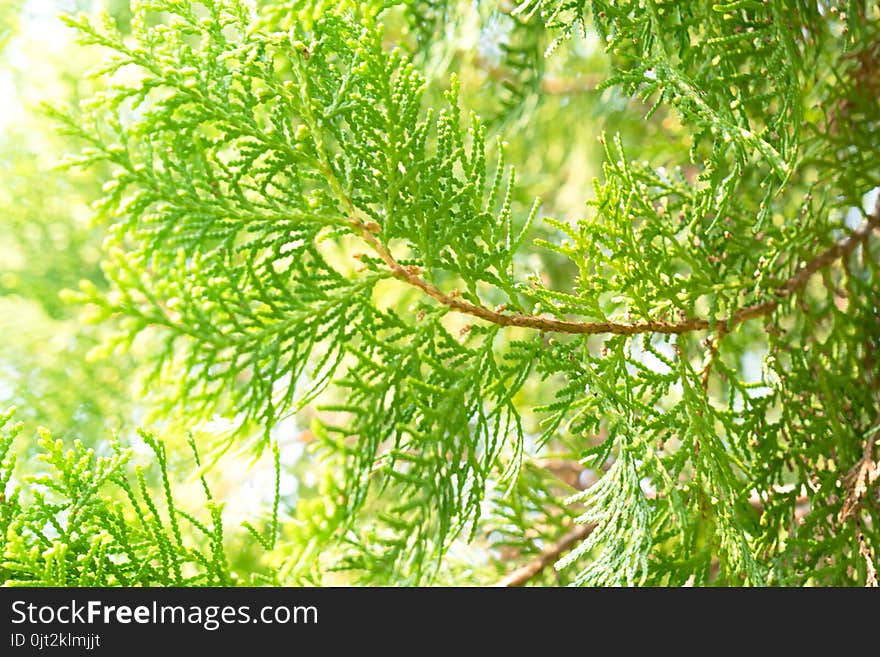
x=81 y=519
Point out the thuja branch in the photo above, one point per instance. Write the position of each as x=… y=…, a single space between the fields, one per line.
x=412 y=276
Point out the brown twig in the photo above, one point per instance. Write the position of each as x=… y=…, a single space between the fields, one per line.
x=868 y=555
x=713 y=343
x=860 y=478
x=858 y=483
x=411 y=275
x=549 y=556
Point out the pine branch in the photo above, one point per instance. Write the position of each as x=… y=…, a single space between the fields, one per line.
x=411 y=276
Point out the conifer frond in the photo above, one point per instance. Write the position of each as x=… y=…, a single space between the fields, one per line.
x=431 y=417
x=81 y=519
x=618 y=508
x=228 y=183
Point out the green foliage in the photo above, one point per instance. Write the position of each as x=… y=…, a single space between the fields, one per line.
x=304 y=225
x=432 y=416
x=86 y=520
x=623 y=533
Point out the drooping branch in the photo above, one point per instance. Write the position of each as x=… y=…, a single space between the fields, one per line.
x=412 y=276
